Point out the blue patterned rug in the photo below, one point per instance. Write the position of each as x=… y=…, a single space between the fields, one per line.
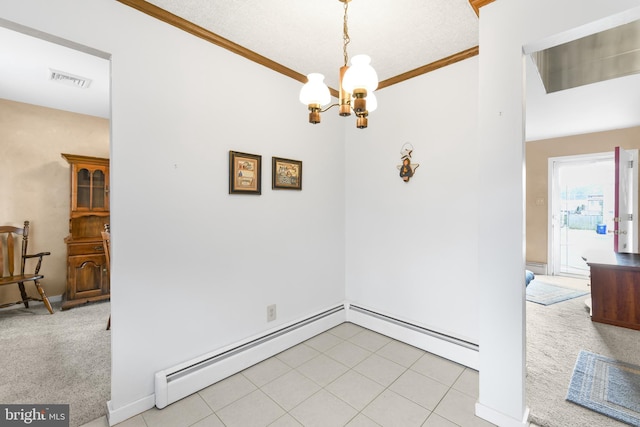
x=607 y=386
x=545 y=294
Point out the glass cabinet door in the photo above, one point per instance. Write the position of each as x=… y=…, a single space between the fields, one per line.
x=84 y=189
x=91 y=189
x=98 y=190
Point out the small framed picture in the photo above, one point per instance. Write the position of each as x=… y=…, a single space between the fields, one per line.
x=245 y=173
x=286 y=174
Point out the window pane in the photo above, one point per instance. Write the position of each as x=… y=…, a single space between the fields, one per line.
x=98 y=190
x=84 y=188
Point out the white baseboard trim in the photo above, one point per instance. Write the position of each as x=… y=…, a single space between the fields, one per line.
x=500 y=419
x=454 y=349
x=53 y=299
x=115 y=416
x=537 y=267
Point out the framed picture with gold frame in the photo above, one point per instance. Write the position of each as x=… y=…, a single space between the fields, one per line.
x=286 y=174
x=245 y=173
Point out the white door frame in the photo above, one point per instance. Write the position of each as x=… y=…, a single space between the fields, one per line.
x=553 y=230
x=626 y=221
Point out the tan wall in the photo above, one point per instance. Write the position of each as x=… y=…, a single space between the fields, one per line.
x=537 y=162
x=34 y=179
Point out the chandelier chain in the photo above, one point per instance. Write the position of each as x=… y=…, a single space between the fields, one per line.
x=345 y=33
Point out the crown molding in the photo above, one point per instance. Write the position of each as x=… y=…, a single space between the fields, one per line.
x=211 y=37
x=456 y=57
x=477 y=4
x=196 y=30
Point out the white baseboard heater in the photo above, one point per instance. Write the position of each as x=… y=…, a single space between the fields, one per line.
x=447 y=346
x=187 y=378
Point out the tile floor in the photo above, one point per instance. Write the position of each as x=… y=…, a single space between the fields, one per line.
x=347 y=376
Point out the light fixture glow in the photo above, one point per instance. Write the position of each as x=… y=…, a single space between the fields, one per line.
x=315 y=94
x=315 y=91
x=360 y=75
x=372 y=102
x=357 y=83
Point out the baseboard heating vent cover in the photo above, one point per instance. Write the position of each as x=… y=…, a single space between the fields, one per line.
x=410 y=326
x=187 y=378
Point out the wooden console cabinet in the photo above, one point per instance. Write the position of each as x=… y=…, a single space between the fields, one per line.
x=615 y=289
x=87 y=272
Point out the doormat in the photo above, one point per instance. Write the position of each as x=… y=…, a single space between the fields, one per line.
x=607 y=386
x=546 y=294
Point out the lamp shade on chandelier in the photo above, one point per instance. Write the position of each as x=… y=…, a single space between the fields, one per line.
x=315 y=94
x=360 y=75
x=357 y=83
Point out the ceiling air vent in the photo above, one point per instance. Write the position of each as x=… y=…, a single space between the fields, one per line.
x=69 y=79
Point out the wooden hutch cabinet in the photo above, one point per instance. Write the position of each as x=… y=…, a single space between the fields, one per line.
x=87 y=272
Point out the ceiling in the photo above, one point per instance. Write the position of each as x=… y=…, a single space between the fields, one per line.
x=296 y=38
x=26 y=62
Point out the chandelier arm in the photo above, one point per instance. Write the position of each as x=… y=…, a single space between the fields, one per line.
x=329 y=107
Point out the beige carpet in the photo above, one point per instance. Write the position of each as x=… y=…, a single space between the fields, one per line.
x=555 y=336
x=60 y=358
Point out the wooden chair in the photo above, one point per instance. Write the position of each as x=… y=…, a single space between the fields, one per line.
x=8 y=248
x=106 y=243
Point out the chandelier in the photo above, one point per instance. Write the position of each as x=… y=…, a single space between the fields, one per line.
x=357 y=83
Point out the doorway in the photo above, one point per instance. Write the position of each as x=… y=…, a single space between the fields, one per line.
x=58 y=101
x=581 y=212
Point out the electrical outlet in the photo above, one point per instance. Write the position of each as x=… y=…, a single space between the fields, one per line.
x=271 y=312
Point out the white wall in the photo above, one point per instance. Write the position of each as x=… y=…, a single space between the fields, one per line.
x=194 y=268
x=225 y=257
x=412 y=248
x=505 y=28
